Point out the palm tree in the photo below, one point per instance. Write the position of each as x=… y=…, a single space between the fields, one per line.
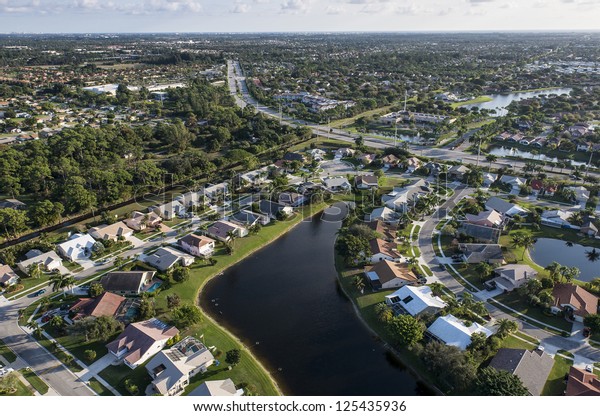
x=60 y=281
x=491 y=158
x=359 y=283
x=484 y=270
x=594 y=284
x=554 y=270
x=231 y=236
x=437 y=289
x=525 y=241
x=570 y=273
x=34 y=271
x=506 y=327
x=593 y=255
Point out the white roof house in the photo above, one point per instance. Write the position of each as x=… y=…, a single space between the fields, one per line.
x=337 y=183
x=171 y=369
x=79 y=246
x=48 y=261
x=452 y=331
x=581 y=193
x=217 y=388
x=556 y=217
x=219 y=189
x=415 y=300
x=384 y=214
x=513 y=181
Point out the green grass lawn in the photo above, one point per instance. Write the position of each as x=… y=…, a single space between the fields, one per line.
x=515 y=301
x=556 y=384
x=426 y=270
x=60 y=355
x=29 y=282
x=22 y=390
x=7 y=352
x=117 y=375
x=513 y=342
x=99 y=388
x=77 y=345
x=467 y=271
x=36 y=382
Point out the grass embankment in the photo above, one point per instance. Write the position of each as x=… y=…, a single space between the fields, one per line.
x=7 y=352
x=365 y=306
x=476 y=100
x=36 y=382
x=249 y=373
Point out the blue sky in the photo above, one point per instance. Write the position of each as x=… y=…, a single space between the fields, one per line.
x=35 y=16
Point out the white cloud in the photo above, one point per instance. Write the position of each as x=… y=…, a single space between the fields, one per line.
x=240 y=7
x=296 y=6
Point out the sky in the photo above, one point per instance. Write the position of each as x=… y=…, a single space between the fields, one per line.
x=110 y=16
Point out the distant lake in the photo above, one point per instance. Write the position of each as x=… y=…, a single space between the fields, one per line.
x=501 y=101
x=503 y=151
x=547 y=250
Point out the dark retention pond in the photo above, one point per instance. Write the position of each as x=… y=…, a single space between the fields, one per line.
x=285 y=304
x=547 y=250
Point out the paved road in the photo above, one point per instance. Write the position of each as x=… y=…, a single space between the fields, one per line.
x=237 y=82
x=44 y=364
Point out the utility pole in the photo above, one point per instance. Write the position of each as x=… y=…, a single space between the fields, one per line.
x=396 y=134
x=405 y=99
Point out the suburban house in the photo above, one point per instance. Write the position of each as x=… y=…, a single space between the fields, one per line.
x=172 y=369
x=574 y=301
x=221 y=230
x=412 y=164
x=388 y=275
x=539 y=188
x=504 y=207
x=556 y=218
x=317 y=154
x=140 y=221
x=169 y=210
x=452 y=331
x=514 y=181
x=217 y=388
x=130 y=283
x=490 y=218
x=383 y=214
x=481 y=233
x=366 y=182
x=479 y=253
x=383 y=250
x=337 y=184
x=390 y=161
x=192 y=199
x=582 y=383
x=8 y=277
x=216 y=191
x=77 y=247
x=254 y=178
x=489 y=179
x=414 y=301
x=107 y=304
x=273 y=209
x=457 y=172
x=197 y=245
x=513 y=276
x=46 y=261
x=588 y=228
x=166 y=257
x=366 y=158
x=386 y=231
x=532 y=367
x=582 y=195
x=344 y=152
x=291 y=199
x=13 y=204
x=111 y=232
x=402 y=199
x=140 y=341
x=248 y=218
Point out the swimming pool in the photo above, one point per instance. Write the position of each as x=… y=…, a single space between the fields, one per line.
x=131 y=313
x=154 y=287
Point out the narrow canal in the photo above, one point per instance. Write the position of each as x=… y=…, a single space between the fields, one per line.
x=284 y=303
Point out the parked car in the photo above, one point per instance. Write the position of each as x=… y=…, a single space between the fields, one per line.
x=589 y=368
x=47 y=317
x=442 y=266
x=587 y=331
x=40 y=292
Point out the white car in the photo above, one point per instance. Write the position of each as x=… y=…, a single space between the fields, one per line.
x=589 y=368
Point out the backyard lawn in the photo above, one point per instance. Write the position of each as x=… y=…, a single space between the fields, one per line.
x=516 y=302
x=556 y=384
x=77 y=345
